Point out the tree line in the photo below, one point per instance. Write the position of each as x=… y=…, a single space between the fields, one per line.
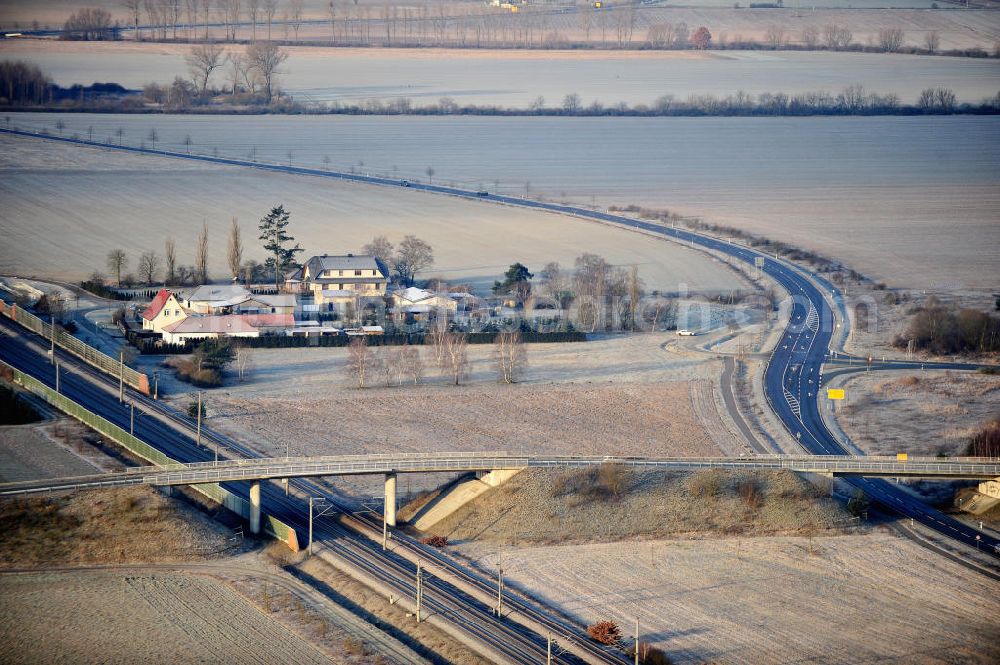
x=151 y=265
x=351 y=24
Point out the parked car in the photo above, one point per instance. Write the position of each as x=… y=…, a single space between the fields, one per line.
x=482 y=193
x=686 y=333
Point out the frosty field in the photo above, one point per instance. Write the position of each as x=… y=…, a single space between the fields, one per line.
x=913 y=201
x=841 y=599
x=64 y=206
x=517 y=78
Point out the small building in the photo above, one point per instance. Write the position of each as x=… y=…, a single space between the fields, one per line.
x=163 y=311
x=216 y=298
x=195 y=328
x=363 y=275
x=421 y=305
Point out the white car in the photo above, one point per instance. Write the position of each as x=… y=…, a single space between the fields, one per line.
x=686 y=333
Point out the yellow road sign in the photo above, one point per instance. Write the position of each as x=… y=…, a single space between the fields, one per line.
x=901 y=457
x=835 y=393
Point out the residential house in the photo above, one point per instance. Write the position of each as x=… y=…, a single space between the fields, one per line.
x=234 y=299
x=163 y=311
x=358 y=276
x=216 y=298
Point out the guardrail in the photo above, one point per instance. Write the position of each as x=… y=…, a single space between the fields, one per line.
x=212 y=490
x=85 y=352
x=271 y=468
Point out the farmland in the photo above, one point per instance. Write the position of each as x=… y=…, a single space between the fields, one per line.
x=50 y=190
x=517 y=78
x=910 y=201
x=781 y=599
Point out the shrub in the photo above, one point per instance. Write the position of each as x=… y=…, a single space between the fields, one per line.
x=604 y=632
x=612 y=478
x=939 y=329
x=858 y=504
x=750 y=492
x=706 y=483
x=435 y=541
x=985 y=442
x=648 y=654
x=192 y=410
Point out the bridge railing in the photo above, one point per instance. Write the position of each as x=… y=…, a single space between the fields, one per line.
x=85 y=352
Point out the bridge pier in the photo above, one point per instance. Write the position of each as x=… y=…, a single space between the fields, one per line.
x=255 y=507
x=389 y=511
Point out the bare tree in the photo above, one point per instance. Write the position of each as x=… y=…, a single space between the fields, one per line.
x=438 y=338
x=206 y=8
x=253 y=12
x=295 y=16
x=153 y=137
x=414 y=255
x=238 y=68
x=201 y=255
x=411 y=363
x=202 y=61
x=234 y=253
x=457 y=356
x=837 y=37
x=170 y=254
x=775 y=36
x=243 y=359
x=134 y=7
x=230 y=10
x=381 y=249
x=634 y=293
x=359 y=360
x=932 y=41
x=270 y=9
x=117 y=262
x=890 y=39
x=265 y=58
x=149 y=266
x=430 y=174
x=331 y=11
x=510 y=355
x=810 y=36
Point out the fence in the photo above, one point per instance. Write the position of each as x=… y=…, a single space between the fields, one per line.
x=89 y=354
x=213 y=491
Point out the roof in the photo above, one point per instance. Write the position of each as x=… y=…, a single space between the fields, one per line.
x=278 y=300
x=413 y=294
x=270 y=320
x=227 y=325
x=349 y=262
x=162 y=296
x=220 y=295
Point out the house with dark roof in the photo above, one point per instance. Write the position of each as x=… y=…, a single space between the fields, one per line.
x=342 y=277
x=165 y=310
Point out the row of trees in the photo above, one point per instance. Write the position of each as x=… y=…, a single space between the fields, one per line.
x=390 y=366
x=389 y=24
x=852 y=100
x=276 y=242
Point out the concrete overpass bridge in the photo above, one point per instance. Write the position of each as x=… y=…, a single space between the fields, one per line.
x=389 y=465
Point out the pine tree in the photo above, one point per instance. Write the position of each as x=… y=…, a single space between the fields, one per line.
x=272 y=232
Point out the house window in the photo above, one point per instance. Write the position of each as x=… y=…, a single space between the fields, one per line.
x=357 y=273
x=340 y=286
